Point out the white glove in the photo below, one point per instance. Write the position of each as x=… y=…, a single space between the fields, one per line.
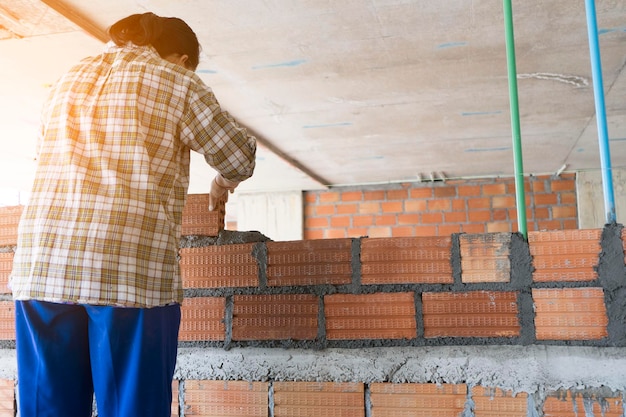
x=220 y=187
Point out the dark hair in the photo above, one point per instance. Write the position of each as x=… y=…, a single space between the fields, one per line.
x=168 y=35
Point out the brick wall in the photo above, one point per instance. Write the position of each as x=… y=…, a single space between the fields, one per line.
x=440 y=208
x=558 y=288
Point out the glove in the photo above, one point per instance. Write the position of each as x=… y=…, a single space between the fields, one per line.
x=220 y=187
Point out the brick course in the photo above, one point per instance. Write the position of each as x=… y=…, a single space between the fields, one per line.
x=469 y=206
x=409 y=290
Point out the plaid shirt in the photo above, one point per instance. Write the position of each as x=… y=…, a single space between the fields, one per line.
x=102 y=225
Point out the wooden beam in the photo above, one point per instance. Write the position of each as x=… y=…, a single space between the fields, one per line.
x=78 y=19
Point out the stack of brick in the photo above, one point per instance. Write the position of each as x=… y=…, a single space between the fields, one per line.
x=561 y=287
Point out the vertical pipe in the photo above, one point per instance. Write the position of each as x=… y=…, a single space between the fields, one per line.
x=515 y=123
x=598 y=92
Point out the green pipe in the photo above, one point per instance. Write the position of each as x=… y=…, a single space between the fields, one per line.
x=515 y=124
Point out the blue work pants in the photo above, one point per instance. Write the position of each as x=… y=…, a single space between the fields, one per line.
x=68 y=352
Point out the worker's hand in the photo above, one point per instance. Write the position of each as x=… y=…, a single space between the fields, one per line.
x=220 y=187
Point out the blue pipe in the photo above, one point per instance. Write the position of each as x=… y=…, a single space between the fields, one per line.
x=598 y=92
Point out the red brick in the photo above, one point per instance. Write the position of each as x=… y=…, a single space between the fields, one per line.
x=329 y=197
x=7 y=320
x=500 y=214
x=455 y=217
x=202 y=318
x=226 y=398
x=445 y=191
x=403 y=231
x=370 y=316
x=335 y=234
x=379 y=232
x=485 y=257
x=7 y=398
x=565 y=255
x=441 y=400
x=448 y=229
x=439 y=205
x=218 y=266
x=470 y=314
x=432 y=218
x=6 y=265
x=198 y=220
x=561 y=212
x=469 y=191
x=459 y=205
x=309 y=262
x=498 y=227
x=373 y=195
x=386 y=220
x=570 y=224
x=537 y=186
x=479 y=215
x=314 y=399
x=313 y=234
x=425 y=231
x=421 y=192
x=392 y=207
x=397 y=194
x=568 y=198
x=340 y=221
x=325 y=210
x=275 y=317
x=309 y=211
x=367 y=220
x=570 y=313
x=408 y=218
x=494 y=189
x=357 y=232
x=415 y=206
x=473 y=228
x=539 y=213
x=559 y=405
x=351 y=196
x=174 y=407
x=549 y=225
x=369 y=208
x=545 y=199
x=563 y=185
x=310 y=197
x=489 y=402
x=478 y=203
x=406 y=260
x=9 y=221
x=503 y=202
x=314 y=222
x=347 y=209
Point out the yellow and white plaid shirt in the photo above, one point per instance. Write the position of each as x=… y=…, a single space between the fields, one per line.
x=102 y=225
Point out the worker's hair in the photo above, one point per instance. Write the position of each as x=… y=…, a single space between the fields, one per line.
x=168 y=35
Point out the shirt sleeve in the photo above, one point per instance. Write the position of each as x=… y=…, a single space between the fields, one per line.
x=208 y=129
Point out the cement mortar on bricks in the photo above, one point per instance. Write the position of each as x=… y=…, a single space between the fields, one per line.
x=531 y=369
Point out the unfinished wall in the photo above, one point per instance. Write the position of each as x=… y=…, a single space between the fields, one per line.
x=440 y=208
x=459 y=325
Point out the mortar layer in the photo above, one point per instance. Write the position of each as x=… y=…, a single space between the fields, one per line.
x=529 y=369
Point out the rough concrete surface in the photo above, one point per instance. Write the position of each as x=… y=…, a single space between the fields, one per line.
x=531 y=369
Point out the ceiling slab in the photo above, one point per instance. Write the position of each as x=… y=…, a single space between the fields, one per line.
x=374 y=91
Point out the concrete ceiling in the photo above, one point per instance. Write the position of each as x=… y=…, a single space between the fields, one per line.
x=355 y=92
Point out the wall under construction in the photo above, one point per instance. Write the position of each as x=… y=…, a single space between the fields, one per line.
x=467 y=324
